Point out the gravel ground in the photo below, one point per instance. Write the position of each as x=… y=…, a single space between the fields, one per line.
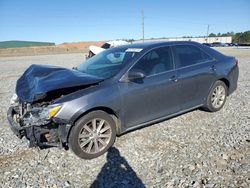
x=196 y=149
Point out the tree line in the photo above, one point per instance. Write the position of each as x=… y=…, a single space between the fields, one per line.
x=241 y=37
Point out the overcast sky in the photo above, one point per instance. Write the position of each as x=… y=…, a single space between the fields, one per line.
x=81 y=20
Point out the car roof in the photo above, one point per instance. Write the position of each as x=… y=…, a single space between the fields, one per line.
x=145 y=45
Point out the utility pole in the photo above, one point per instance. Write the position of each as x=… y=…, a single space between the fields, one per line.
x=207 y=33
x=142 y=14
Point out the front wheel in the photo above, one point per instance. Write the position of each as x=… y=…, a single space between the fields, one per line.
x=92 y=135
x=217 y=97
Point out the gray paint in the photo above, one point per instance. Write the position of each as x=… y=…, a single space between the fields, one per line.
x=163 y=95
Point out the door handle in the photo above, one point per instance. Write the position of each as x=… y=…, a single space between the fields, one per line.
x=213 y=68
x=173 y=79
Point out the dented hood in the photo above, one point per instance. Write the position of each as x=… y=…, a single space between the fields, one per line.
x=40 y=81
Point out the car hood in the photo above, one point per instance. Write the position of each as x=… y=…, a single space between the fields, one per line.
x=40 y=82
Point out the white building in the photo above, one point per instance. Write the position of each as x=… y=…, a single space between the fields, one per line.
x=196 y=39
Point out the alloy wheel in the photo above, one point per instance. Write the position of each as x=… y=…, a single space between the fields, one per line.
x=94 y=136
x=218 y=96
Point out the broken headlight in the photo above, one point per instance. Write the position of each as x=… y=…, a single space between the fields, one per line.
x=14 y=100
x=53 y=111
x=49 y=111
x=40 y=115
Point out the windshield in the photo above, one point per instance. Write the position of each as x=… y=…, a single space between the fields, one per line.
x=109 y=62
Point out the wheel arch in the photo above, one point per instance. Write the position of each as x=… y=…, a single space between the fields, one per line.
x=226 y=81
x=108 y=110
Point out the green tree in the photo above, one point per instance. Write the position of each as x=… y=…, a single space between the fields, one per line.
x=236 y=37
x=246 y=37
x=212 y=35
x=242 y=37
x=227 y=34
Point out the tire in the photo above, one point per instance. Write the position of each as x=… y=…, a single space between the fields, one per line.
x=213 y=105
x=92 y=135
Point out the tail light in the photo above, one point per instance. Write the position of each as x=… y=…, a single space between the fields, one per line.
x=237 y=62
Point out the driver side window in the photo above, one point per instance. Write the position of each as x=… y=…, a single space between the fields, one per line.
x=154 y=62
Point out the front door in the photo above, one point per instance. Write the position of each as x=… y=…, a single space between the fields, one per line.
x=154 y=96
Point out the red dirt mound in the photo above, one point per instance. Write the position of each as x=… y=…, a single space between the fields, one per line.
x=80 y=45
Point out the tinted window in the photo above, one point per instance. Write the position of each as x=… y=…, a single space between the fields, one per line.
x=155 y=62
x=105 y=46
x=189 y=55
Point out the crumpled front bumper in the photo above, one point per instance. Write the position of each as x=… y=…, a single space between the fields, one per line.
x=51 y=135
x=15 y=127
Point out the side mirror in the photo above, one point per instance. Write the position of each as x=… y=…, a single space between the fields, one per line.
x=135 y=75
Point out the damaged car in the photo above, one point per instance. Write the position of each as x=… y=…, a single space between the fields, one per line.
x=116 y=91
x=93 y=50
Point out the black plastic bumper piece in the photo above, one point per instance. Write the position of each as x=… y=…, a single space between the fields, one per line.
x=35 y=134
x=15 y=127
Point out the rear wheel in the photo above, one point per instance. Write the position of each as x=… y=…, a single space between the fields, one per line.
x=92 y=135
x=217 y=97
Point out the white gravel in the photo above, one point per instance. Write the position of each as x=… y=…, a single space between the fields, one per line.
x=196 y=149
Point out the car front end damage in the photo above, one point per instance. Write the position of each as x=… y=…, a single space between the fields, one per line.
x=37 y=123
x=32 y=112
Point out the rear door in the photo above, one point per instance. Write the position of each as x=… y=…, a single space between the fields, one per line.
x=155 y=95
x=195 y=74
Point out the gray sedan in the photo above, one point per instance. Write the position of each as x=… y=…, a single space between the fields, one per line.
x=116 y=91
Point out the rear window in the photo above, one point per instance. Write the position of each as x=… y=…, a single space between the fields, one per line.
x=105 y=46
x=187 y=55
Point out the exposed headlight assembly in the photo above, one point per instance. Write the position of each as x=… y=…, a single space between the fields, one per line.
x=49 y=111
x=14 y=100
x=53 y=111
x=40 y=115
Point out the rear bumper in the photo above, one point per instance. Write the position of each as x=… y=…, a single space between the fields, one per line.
x=51 y=135
x=233 y=77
